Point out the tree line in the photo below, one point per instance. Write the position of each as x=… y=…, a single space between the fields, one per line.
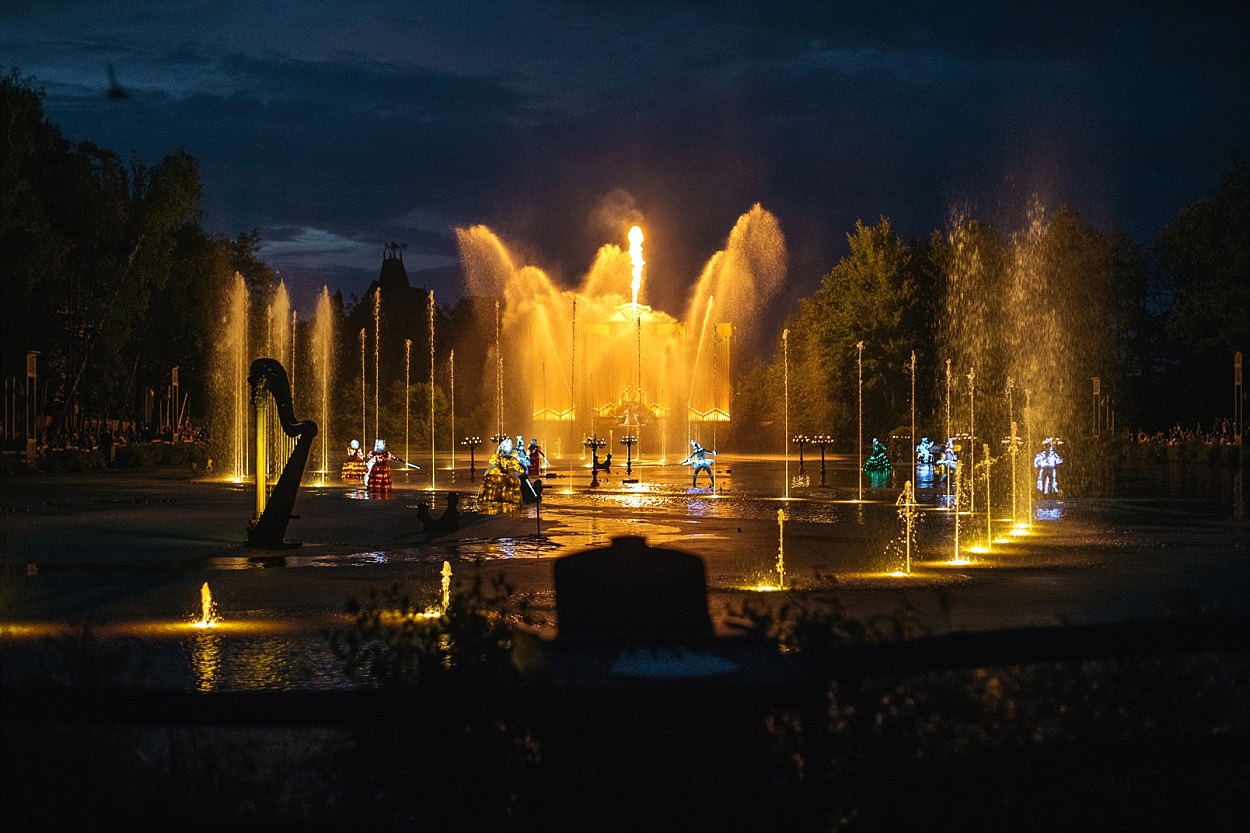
x=106 y=272
x=1056 y=326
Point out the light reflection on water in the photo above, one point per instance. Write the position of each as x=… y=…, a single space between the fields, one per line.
x=270 y=650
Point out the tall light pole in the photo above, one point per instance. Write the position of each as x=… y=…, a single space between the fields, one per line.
x=32 y=406
x=859 y=364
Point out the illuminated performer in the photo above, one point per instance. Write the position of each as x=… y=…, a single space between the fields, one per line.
x=699 y=459
x=879 y=461
x=502 y=459
x=537 y=460
x=378 y=468
x=947 y=462
x=1046 y=461
x=354 y=466
x=522 y=456
x=924 y=452
x=501 y=483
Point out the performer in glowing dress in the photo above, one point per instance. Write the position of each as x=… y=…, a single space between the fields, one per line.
x=537 y=460
x=879 y=461
x=1046 y=462
x=699 y=459
x=501 y=483
x=353 y=470
x=378 y=469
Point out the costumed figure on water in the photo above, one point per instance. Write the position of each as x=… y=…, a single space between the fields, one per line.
x=378 y=469
x=699 y=458
x=879 y=461
x=1046 y=462
x=353 y=470
x=947 y=462
x=506 y=484
x=924 y=452
x=537 y=460
x=924 y=462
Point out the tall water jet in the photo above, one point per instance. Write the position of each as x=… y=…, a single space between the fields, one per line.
x=785 y=352
x=1013 y=305
x=912 y=368
x=451 y=387
x=859 y=383
x=230 y=376
x=1013 y=447
x=498 y=373
x=949 y=478
x=989 y=512
x=279 y=338
x=323 y=368
x=431 y=324
x=407 y=393
x=228 y=379
x=377 y=358
x=907 y=513
x=781 y=549
x=956 y=558
x=364 y=418
x=1028 y=443
x=972 y=437
x=605 y=378
x=1036 y=320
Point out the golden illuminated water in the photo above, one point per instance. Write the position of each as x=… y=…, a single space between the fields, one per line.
x=634 y=368
x=781 y=548
x=208 y=609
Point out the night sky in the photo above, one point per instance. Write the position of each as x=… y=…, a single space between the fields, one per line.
x=336 y=127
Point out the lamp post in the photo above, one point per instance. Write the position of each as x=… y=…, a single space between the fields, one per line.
x=593 y=444
x=859 y=371
x=824 y=441
x=30 y=406
x=628 y=441
x=801 y=440
x=1238 y=399
x=472 y=443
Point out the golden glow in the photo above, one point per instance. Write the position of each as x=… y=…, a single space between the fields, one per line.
x=635 y=258
x=208 y=609
x=781 y=547
x=206 y=660
x=446 y=585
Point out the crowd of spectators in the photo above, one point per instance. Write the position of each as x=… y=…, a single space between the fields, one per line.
x=1222 y=432
x=105 y=436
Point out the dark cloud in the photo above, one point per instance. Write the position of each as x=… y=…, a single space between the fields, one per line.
x=334 y=128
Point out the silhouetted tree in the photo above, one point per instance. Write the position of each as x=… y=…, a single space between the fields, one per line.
x=1205 y=255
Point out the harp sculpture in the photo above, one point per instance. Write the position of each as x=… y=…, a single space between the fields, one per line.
x=273 y=508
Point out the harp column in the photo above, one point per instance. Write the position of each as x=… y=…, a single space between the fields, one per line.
x=260 y=402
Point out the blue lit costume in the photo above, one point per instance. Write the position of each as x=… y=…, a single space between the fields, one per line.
x=1046 y=461
x=947 y=462
x=699 y=459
